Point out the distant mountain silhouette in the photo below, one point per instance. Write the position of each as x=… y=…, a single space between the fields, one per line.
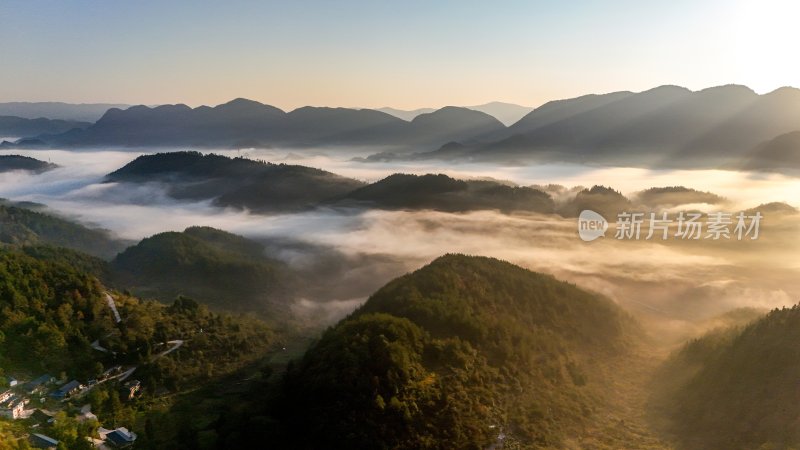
x=19 y=127
x=507 y=113
x=780 y=153
x=244 y=122
x=81 y=112
x=406 y=115
x=668 y=126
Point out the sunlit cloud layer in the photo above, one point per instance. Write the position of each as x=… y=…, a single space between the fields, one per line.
x=677 y=282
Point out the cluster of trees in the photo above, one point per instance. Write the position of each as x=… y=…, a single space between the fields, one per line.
x=443 y=193
x=51 y=311
x=24 y=226
x=449 y=356
x=237 y=182
x=220 y=269
x=737 y=388
x=19 y=162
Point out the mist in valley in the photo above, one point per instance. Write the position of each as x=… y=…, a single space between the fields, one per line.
x=678 y=287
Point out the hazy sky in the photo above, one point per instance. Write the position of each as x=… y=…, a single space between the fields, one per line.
x=405 y=54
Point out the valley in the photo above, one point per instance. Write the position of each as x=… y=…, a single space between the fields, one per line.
x=454 y=362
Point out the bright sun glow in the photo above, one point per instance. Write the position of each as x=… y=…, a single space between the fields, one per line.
x=765 y=50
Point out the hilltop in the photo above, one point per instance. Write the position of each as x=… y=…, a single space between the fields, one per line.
x=443 y=193
x=452 y=356
x=236 y=182
x=222 y=270
x=9 y=163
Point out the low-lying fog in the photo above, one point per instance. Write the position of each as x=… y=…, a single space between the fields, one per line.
x=679 y=285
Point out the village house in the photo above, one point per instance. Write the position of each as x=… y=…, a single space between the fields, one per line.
x=40 y=384
x=67 y=390
x=41 y=441
x=119 y=438
x=12 y=408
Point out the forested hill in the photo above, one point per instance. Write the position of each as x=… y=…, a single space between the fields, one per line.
x=222 y=270
x=56 y=319
x=458 y=354
x=18 y=162
x=737 y=389
x=443 y=193
x=23 y=226
x=236 y=182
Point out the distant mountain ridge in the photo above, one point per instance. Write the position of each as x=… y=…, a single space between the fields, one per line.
x=246 y=123
x=668 y=126
x=507 y=113
x=79 y=112
x=17 y=126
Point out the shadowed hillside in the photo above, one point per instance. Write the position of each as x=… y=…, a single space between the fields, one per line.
x=236 y=182
x=442 y=193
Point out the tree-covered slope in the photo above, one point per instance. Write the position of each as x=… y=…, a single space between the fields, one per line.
x=463 y=353
x=22 y=226
x=236 y=182
x=220 y=269
x=443 y=193
x=737 y=389
x=26 y=163
x=50 y=312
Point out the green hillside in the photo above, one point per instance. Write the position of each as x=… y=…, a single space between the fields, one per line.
x=738 y=388
x=443 y=193
x=236 y=182
x=22 y=226
x=463 y=353
x=220 y=269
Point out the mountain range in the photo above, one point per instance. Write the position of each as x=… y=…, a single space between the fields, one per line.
x=78 y=112
x=507 y=113
x=728 y=127
x=246 y=123
x=668 y=126
x=11 y=126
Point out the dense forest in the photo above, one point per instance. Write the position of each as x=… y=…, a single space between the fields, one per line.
x=19 y=162
x=736 y=388
x=463 y=353
x=443 y=193
x=236 y=182
x=21 y=225
x=55 y=318
x=223 y=270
